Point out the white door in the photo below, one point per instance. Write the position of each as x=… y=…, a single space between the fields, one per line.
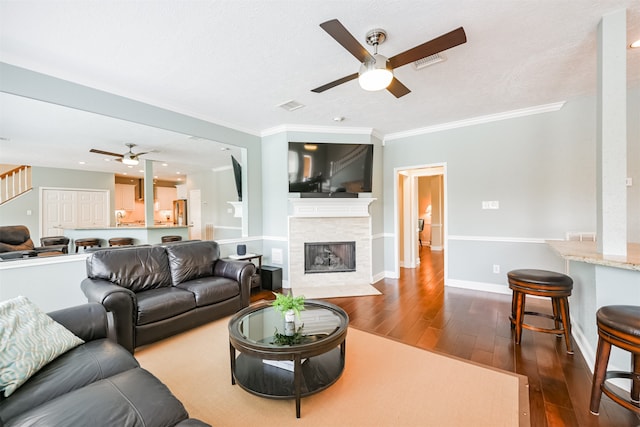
x=92 y=209
x=71 y=209
x=194 y=211
x=59 y=211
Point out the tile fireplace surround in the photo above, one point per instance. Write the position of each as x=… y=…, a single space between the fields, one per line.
x=326 y=220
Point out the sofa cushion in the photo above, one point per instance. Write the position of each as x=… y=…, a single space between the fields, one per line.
x=212 y=289
x=160 y=304
x=29 y=339
x=83 y=365
x=137 y=268
x=192 y=261
x=131 y=398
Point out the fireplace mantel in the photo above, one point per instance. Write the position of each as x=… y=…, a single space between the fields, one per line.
x=328 y=207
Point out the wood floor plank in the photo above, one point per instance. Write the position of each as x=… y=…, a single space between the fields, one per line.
x=419 y=310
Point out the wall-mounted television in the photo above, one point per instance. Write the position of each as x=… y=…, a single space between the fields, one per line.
x=330 y=168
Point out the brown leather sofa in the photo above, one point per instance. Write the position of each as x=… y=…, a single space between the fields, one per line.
x=15 y=242
x=97 y=383
x=161 y=290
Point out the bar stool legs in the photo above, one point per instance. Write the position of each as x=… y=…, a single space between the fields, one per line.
x=555 y=286
x=618 y=326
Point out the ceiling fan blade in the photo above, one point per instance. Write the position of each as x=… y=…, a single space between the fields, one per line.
x=439 y=44
x=397 y=88
x=335 y=83
x=106 y=153
x=344 y=37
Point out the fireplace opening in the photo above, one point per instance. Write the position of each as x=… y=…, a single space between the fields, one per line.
x=329 y=257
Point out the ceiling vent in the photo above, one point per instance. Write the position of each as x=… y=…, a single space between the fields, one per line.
x=429 y=60
x=291 y=105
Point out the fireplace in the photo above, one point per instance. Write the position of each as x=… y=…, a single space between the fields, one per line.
x=329 y=224
x=329 y=257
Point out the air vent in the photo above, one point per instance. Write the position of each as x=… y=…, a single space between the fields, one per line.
x=429 y=60
x=291 y=105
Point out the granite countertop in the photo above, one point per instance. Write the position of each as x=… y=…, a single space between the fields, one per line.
x=587 y=252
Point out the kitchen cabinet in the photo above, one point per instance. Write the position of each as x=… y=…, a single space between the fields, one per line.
x=125 y=197
x=165 y=197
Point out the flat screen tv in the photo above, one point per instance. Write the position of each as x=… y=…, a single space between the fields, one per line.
x=328 y=168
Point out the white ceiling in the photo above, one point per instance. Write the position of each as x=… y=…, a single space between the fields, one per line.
x=233 y=62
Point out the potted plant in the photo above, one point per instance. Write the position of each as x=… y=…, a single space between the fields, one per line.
x=288 y=305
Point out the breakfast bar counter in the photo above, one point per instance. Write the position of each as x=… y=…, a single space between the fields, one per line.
x=586 y=252
x=598 y=280
x=139 y=234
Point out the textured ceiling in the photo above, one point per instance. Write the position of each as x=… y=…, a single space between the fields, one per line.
x=233 y=62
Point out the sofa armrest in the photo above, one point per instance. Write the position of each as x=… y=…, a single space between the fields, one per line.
x=241 y=272
x=121 y=302
x=88 y=321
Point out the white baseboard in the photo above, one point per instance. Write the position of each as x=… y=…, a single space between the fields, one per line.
x=478 y=286
x=379 y=276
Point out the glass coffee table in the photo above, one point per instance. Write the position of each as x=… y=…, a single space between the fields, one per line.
x=288 y=360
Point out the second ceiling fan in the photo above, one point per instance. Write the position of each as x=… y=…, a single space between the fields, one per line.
x=376 y=71
x=129 y=158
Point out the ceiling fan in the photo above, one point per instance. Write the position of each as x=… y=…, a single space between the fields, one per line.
x=128 y=158
x=376 y=71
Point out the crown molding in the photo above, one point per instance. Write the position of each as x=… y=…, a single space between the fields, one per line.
x=321 y=129
x=538 y=109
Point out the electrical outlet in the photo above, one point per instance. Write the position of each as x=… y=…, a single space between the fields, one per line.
x=496 y=268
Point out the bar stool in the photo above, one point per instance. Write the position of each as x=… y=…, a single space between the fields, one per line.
x=556 y=286
x=120 y=241
x=55 y=241
x=166 y=239
x=618 y=325
x=87 y=242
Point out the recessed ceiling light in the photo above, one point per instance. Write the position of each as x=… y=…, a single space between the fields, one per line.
x=224 y=148
x=107 y=160
x=141 y=170
x=82 y=163
x=124 y=173
x=635 y=44
x=338 y=119
x=165 y=164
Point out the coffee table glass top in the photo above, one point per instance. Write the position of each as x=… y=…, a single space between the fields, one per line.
x=265 y=327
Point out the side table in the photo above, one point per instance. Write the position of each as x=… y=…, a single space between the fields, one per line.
x=255 y=279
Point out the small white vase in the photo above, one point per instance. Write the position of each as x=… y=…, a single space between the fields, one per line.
x=289 y=316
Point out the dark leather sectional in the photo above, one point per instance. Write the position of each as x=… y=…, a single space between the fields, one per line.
x=158 y=291
x=98 y=383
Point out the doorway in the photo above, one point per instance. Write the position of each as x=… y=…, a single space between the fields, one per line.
x=421 y=213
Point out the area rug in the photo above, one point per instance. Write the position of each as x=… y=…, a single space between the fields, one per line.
x=340 y=291
x=384 y=383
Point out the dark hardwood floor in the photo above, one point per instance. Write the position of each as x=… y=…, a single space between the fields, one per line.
x=418 y=310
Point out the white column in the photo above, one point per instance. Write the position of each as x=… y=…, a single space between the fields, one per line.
x=148 y=193
x=611 y=155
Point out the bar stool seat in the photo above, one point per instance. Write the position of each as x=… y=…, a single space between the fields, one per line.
x=55 y=241
x=87 y=242
x=120 y=241
x=542 y=283
x=618 y=325
x=166 y=239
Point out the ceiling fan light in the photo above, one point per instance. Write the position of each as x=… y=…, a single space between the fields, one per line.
x=129 y=161
x=375 y=75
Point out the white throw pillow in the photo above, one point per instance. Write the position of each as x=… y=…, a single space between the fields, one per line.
x=29 y=339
